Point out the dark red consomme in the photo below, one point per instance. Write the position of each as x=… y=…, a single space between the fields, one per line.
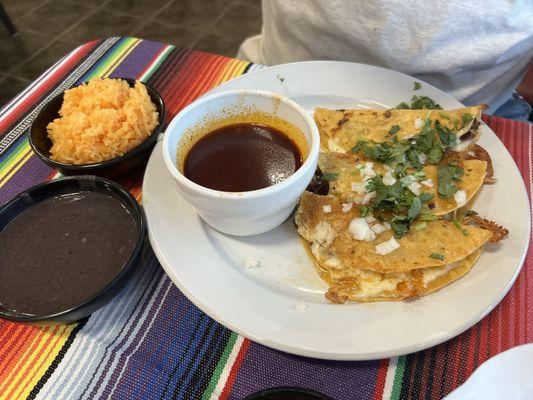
x=242 y=157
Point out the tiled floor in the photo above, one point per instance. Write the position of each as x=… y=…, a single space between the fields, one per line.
x=48 y=29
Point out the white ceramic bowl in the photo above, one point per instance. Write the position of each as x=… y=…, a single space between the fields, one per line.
x=252 y=212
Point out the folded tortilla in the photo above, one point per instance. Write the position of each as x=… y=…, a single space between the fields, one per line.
x=344 y=167
x=367 y=286
x=340 y=130
x=322 y=222
x=355 y=272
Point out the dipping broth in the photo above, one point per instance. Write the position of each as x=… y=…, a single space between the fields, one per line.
x=61 y=251
x=242 y=157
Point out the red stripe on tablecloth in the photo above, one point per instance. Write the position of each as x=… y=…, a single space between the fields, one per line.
x=16 y=349
x=235 y=370
x=5 y=330
x=194 y=70
x=45 y=85
x=12 y=332
x=380 y=379
x=36 y=338
x=50 y=347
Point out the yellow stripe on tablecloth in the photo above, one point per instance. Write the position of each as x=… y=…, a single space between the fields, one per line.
x=118 y=61
x=39 y=365
x=4 y=389
x=233 y=69
x=25 y=156
x=33 y=368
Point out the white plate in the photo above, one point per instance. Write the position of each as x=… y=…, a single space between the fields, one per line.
x=265 y=287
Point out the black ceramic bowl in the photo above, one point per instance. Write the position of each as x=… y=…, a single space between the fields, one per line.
x=41 y=144
x=287 y=393
x=70 y=185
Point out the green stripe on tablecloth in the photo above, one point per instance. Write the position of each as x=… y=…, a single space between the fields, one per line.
x=398 y=378
x=220 y=366
x=112 y=57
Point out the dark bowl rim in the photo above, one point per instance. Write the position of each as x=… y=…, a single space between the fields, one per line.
x=286 y=389
x=148 y=142
x=128 y=198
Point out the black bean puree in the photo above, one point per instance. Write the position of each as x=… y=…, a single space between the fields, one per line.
x=62 y=251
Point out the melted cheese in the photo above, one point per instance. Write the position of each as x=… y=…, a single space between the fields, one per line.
x=431 y=274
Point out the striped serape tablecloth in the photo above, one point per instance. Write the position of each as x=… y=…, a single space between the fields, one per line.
x=151 y=342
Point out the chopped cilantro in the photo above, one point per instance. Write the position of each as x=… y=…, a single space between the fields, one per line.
x=447 y=137
x=400 y=226
x=424 y=103
x=281 y=78
x=330 y=176
x=425 y=197
x=396 y=204
x=381 y=152
x=401 y=155
x=365 y=211
x=447 y=175
x=421 y=226
x=466 y=118
x=417 y=86
x=420 y=174
x=414 y=208
x=419 y=103
x=437 y=256
x=458 y=226
x=394 y=129
x=403 y=106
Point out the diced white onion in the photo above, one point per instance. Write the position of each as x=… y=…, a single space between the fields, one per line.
x=370 y=219
x=326 y=209
x=387 y=247
x=419 y=123
x=367 y=171
x=346 y=207
x=415 y=188
x=360 y=230
x=388 y=179
x=460 y=198
x=407 y=180
x=358 y=187
x=428 y=182
x=422 y=158
x=368 y=197
x=378 y=228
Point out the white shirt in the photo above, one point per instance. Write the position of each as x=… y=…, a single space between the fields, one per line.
x=477 y=50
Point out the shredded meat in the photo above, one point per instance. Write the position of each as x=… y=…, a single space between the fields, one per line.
x=498 y=231
x=476 y=152
x=468 y=135
x=342 y=121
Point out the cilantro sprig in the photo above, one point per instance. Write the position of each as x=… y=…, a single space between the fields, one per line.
x=432 y=142
x=448 y=176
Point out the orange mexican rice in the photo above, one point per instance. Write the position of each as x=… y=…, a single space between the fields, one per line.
x=101 y=120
